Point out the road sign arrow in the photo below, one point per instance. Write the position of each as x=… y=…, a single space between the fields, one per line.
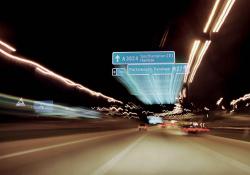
x=117 y=58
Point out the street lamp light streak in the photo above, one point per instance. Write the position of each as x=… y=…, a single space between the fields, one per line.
x=244 y=98
x=219 y=101
x=211 y=16
x=46 y=71
x=79 y=86
x=191 y=57
x=163 y=40
x=223 y=15
x=7 y=46
x=67 y=81
x=198 y=62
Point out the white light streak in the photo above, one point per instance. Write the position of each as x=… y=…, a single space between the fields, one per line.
x=219 y=101
x=191 y=58
x=198 y=62
x=7 y=46
x=223 y=15
x=244 y=98
x=211 y=16
x=41 y=69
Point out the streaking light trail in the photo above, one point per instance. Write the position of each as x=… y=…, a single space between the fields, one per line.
x=211 y=16
x=223 y=15
x=191 y=58
x=198 y=62
x=244 y=98
x=8 y=106
x=41 y=69
x=219 y=101
x=216 y=19
x=7 y=46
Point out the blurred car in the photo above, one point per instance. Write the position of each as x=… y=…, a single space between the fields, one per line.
x=194 y=129
x=162 y=125
x=154 y=120
x=142 y=127
x=171 y=124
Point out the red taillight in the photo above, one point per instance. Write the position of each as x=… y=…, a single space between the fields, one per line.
x=205 y=129
x=184 y=129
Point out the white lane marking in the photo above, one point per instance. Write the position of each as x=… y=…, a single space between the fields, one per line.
x=224 y=158
x=56 y=146
x=108 y=165
x=228 y=139
x=233 y=128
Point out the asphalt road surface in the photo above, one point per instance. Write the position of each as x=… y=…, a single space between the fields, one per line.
x=128 y=151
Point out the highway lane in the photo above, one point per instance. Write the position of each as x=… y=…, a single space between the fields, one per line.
x=127 y=151
x=233 y=132
x=49 y=127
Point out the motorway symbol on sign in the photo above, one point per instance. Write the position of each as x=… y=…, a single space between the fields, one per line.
x=119 y=58
x=118 y=71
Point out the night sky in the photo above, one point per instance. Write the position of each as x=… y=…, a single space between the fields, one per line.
x=77 y=41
